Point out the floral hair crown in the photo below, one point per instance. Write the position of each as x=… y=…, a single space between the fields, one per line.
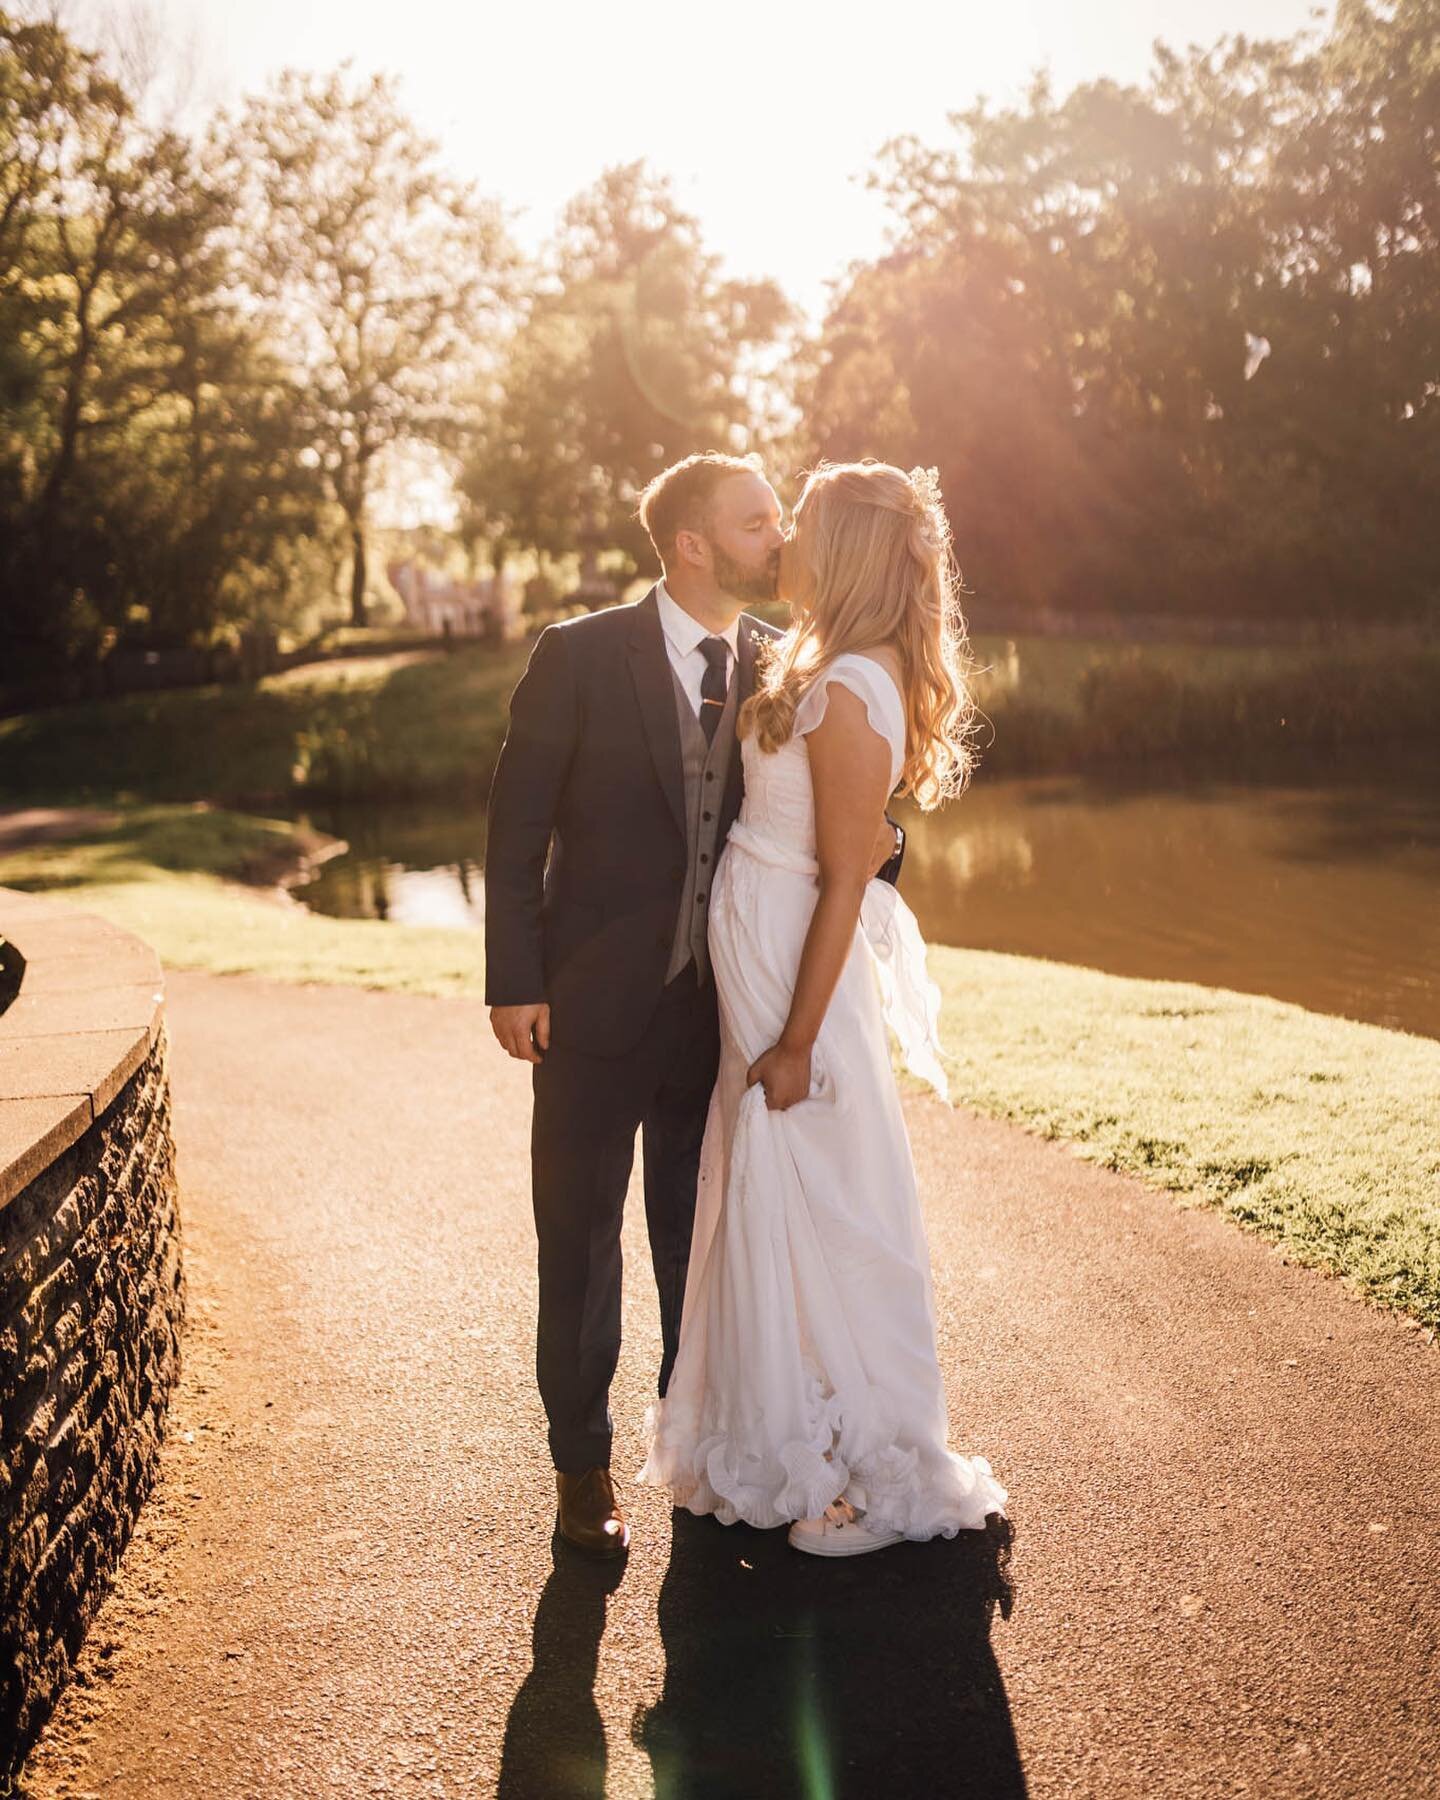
x=926 y=483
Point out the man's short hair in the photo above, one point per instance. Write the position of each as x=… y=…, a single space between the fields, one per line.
x=678 y=499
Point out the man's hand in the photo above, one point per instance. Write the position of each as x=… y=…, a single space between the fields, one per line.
x=523 y=1031
x=784 y=1074
x=885 y=847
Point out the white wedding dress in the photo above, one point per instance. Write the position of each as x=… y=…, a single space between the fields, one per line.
x=807 y=1361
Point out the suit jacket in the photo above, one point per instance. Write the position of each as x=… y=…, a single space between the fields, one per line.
x=585 y=857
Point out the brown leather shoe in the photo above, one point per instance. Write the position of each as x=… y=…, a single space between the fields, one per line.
x=588 y=1516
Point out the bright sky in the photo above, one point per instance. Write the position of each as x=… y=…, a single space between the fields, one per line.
x=765 y=113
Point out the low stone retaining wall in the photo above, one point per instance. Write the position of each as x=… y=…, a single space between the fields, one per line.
x=91 y=1285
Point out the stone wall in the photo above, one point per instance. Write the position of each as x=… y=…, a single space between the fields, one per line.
x=91 y=1286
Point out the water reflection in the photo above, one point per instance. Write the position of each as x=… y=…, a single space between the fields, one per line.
x=1325 y=894
x=421 y=864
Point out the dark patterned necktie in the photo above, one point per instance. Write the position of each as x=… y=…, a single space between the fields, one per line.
x=713 y=686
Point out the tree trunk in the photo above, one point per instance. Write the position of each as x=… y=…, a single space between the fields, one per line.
x=358 y=614
x=72 y=402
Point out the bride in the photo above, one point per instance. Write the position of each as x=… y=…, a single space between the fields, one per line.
x=807 y=1389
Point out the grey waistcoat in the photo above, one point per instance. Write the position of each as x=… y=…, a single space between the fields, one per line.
x=705 y=766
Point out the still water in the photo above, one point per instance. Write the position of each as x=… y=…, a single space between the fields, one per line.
x=1327 y=895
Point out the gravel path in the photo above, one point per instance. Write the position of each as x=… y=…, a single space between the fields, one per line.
x=1224 y=1476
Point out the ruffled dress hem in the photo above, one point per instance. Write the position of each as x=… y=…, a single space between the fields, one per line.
x=888 y=1483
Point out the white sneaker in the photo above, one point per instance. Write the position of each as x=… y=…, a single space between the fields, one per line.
x=823 y=1537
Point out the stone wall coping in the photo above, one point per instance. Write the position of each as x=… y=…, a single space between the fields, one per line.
x=88 y=1013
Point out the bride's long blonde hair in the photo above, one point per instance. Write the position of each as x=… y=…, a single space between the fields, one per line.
x=881 y=570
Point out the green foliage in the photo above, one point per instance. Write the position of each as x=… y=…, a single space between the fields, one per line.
x=385 y=725
x=632 y=353
x=1071 y=323
x=1133 y=705
x=383 y=275
x=106 y=225
x=207 y=347
x=204 y=347
x=408 y=722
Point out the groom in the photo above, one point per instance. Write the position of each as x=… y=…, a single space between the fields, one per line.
x=617 y=784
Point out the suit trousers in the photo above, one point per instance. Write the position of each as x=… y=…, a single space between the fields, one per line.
x=582 y=1149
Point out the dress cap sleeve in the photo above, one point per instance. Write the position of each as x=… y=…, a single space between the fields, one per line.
x=883 y=706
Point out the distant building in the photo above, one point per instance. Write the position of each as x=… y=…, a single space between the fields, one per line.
x=438 y=603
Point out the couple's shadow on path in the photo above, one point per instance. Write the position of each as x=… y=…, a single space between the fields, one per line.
x=785 y=1674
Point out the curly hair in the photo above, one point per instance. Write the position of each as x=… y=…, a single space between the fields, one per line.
x=878 y=568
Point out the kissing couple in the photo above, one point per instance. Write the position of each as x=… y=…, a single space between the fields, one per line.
x=686 y=936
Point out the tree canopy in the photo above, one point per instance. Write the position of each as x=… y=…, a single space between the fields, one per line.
x=632 y=352
x=1174 y=346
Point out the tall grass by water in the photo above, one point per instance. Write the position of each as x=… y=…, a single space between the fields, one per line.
x=1060 y=705
x=417 y=723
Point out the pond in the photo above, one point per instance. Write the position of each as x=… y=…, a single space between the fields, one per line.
x=1327 y=894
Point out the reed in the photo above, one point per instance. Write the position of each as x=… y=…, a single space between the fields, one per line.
x=1227 y=710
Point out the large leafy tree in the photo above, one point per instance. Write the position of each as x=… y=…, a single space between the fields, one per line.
x=633 y=352
x=150 y=472
x=1353 y=406
x=98 y=217
x=1172 y=346
x=384 y=278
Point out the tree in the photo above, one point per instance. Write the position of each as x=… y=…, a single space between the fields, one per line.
x=383 y=277
x=634 y=351
x=99 y=216
x=153 y=469
x=1064 y=325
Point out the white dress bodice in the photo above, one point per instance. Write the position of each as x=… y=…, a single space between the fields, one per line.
x=779 y=799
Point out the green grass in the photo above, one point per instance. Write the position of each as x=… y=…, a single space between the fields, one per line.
x=1316 y=1132
x=154 y=841
x=384 y=725
x=403 y=723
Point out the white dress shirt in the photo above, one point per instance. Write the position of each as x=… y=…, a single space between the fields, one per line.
x=683 y=636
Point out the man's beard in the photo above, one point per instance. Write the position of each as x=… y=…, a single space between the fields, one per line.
x=742 y=583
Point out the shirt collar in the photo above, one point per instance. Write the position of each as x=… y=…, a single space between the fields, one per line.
x=685 y=633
